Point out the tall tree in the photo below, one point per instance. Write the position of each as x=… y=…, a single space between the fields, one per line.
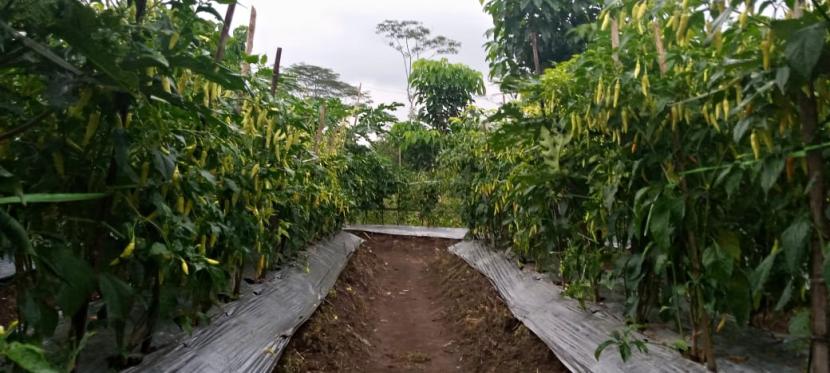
x=547 y=25
x=443 y=90
x=321 y=82
x=413 y=40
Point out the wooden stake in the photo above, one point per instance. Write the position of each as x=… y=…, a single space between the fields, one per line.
x=276 y=78
x=140 y=8
x=819 y=318
x=249 y=44
x=223 y=37
x=810 y=129
x=537 y=64
x=357 y=103
x=661 y=51
x=321 y=124
x=615 y=40
x=534 y=42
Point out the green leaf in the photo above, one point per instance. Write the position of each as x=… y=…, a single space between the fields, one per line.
x=740 y=129
x=159 y=249
x=75 y=26
x=771 y=170
x=40 y=49
x=118 y=296
x=667 y=210
x=785 y=296
x=794 y=242
x=29 y=357
x=730 y=243
x=77 y=279
x=602 y=346
x=760 y=276
x=799 y=325
x=739 y=298
x=43 y=317
x=782 y=75
x=804 y=48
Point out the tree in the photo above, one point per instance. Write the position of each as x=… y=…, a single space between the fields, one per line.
x=517 y=24
x=443 y=90
x=412 y=40
x=321 y=82
x=370 y=123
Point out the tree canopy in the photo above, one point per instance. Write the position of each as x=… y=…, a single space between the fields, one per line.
x=443 y=89
x=320 y=82
x=413 y=40
x=509 y=48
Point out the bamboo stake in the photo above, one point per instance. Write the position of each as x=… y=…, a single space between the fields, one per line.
x=810 y=129
x=321 y=124
x=223 y=37
x=615 y=40
x=275 y=79
x=357 y=103
x=534 y=43
x=537 y=64
x=249 y=44
x=661 y=51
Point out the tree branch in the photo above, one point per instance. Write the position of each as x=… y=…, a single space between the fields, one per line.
x=23 y=127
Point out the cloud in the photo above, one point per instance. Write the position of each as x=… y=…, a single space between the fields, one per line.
x=340 y=34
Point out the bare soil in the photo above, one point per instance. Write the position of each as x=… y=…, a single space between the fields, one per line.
x=8 y=304
x=406 y=304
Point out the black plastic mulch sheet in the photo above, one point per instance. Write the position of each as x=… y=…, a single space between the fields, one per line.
x=405 y=230
x=251 y=334
x=574 y=333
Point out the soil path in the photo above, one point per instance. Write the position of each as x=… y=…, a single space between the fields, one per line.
x=406 y=304
x=409 y=325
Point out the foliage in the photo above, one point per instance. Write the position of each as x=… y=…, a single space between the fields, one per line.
x=371 y=123
x=509 y=50
x=321 y=82
x=624 y=340
x=443 y=90
x=369 y=179
x=414 y=145
x=141 y=177
x=26 y=356
x=420 y=196
x=413 y=41
x=684 y=167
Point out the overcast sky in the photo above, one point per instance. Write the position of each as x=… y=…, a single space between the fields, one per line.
x=340 y=34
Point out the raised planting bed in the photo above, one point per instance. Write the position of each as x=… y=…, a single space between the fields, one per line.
x=249 y=335
x=574 y=332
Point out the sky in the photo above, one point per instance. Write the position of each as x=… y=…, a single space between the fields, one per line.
x=340 y=34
